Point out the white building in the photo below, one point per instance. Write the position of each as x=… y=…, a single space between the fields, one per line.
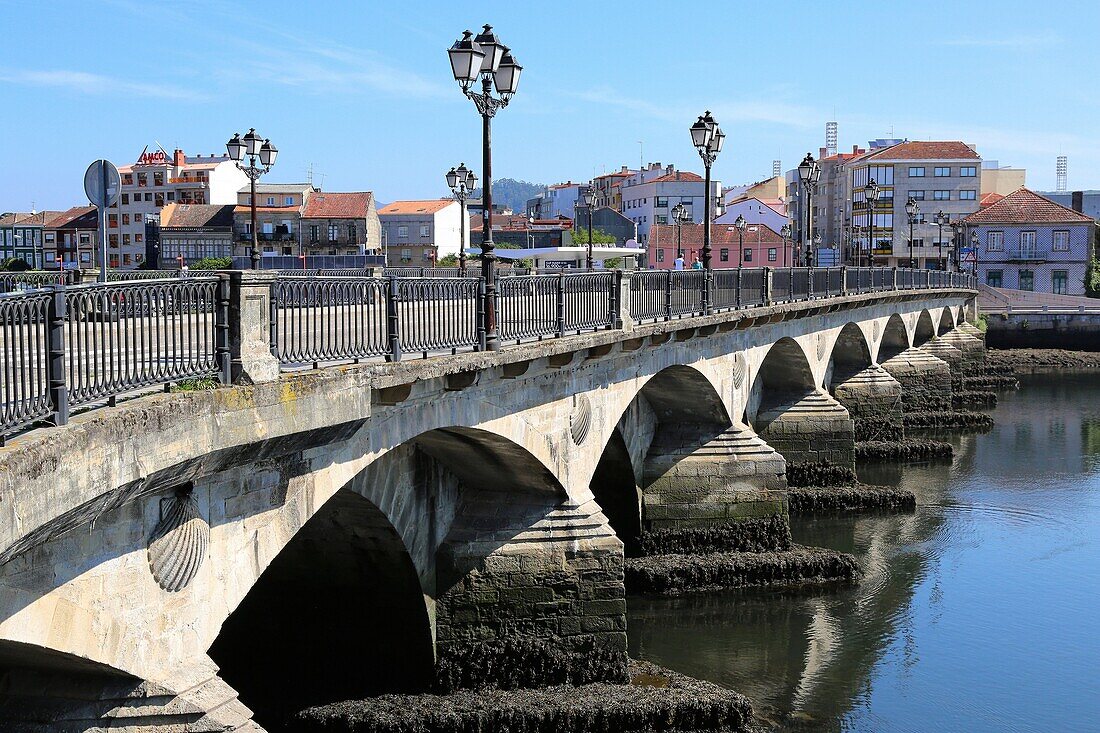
x=650 y=195
x=157 y=179
x=772 y=214
x=419 y=233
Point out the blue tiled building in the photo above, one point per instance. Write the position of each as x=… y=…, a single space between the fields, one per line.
x=1027 y=242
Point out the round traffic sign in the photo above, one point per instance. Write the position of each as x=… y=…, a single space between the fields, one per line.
x=102 y=183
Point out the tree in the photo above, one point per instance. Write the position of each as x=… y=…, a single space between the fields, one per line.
x=580 y=236
x=14 y=264
x=612 y=263
x=1092 y=278
x=212 y=263
x=448 y=261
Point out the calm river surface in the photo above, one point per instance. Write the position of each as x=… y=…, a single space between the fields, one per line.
x=979 y=612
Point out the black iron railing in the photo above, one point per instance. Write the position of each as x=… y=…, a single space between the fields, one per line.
x=16 y=282
x=434 y=314
x=328 y=319
x=25 y=358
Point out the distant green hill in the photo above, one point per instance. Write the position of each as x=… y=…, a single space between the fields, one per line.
x=513 y=193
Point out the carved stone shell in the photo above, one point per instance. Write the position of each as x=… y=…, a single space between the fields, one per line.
x=820 y=346
x=877 y=331
x=581 y=419
x=738 y=370
x=178 y=545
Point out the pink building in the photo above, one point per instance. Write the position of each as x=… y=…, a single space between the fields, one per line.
x=759 y=246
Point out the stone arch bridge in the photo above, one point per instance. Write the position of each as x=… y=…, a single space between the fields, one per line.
x=214 y=560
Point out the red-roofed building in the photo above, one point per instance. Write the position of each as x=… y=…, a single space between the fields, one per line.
x=69 y=239
x=341 y=224
x=1027 y=242
x=420 y=233
x=759 y=246
x=649 y=195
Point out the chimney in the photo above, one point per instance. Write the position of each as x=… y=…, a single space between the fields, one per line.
x=1078 y=204
x=178 y=158
x=822 y=153
x=855 y=150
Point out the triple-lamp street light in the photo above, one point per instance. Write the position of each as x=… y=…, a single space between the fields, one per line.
x=809 y=173
x=870 y=197
x=484 y=57
x=462 y=181
x=707 y=137
x=679 y=217
x=740 y=224
x=785 y=233
x=256 y=149
x=941 y=220
x=588 y=198
x=913 y=210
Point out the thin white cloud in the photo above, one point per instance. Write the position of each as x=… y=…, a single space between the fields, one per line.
x=83 y=82
x=1042 y=38
x=727 y=113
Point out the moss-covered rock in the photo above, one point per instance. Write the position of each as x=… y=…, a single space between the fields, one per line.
x=842 y=499
x=903 y=451
x=948 y=420
x=822 y=473
x=974 y=398
x=749 y=535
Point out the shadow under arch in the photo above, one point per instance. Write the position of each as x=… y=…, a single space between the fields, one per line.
x=851 y=354
x=925 y=330
x=895 y=339
x=947 y=321
x=677 y=411
x=345 y=609
x=783 y=377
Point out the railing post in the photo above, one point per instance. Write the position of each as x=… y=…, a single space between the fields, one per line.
x=559 y=305
x=894 y=274
x=766 y=295
x=57 y=315
x=809 y=283
x=480 y=314
x=844 y=280
x=251 y=360
x=393 y=326
x=625 y=319
x=708 y=282
x=739 y=285
x=614 y=309
x=668 y=295
x=222 y=354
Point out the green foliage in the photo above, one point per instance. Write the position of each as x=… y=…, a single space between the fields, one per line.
x=198 y=384
x=448 y=261
x=613 y=262
x=14 y=264
x=1092 y=278
x=212 y=263
x=512 y=193
x=580 y=236
x=983 y=323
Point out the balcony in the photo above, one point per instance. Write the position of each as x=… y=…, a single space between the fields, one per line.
x=1026 y=254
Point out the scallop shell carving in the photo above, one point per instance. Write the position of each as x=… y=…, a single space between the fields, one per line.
x=820 y=346
x=877 y=331
x=738 y=370
x=581 y=419
x=178 y=545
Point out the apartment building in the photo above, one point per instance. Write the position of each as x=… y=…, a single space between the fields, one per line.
x=344 y=223
x=771 y=213
x=608 y=188
x=650 y=194
x=21 y=235
x=418 y=233
x=1027 y=242
x=556 y=201
x=190 y=232
x=758 y=246
x=156 y=179
x=279 y=208
x=69 y=239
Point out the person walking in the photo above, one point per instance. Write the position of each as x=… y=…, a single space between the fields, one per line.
x=679 y=263
x=697 y=265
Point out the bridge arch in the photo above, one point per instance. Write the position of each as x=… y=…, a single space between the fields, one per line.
x=784 y=376
x=946 y=322
x=925 y=329
x=895 y=338
x=851 y=354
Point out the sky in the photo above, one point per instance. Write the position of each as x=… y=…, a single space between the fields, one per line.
x=361 y=92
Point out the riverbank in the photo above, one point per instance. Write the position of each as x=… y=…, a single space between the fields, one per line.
x=1022 y=361
x=655 y=699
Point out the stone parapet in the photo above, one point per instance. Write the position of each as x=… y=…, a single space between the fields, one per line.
x=925 y=380
x=693 y=478
x=810 y=429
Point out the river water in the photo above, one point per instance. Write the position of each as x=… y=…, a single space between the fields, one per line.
x=978 y=612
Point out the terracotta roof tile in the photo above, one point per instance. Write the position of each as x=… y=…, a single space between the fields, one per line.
x=678 y=177
x=61 y=218
x=1024 y=206
x=322 y=205
x=430 y=206
x=926 y=150
x=989 y=199
x=199 y=215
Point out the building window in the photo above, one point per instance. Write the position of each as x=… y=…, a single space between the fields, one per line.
x=351 y=233
x=288 y=201
x=747 y=255
x=916 y=172
x=994 y=278
x=125 y=239
x=941 y=195
x=113 y=260
x=171 y=195
x=724 y=255
x=660 y=219
x=994 y=241
x=773 y=254
x=125 y=218
x=148 y=197
x=968 y=171
x=125 y=198
x=1060 y=242
x=270 y=200
x=403 y=232
x=125 y=258
x=425 y=231
x=158 y=178
x=942 y=172
x=267 y=228
x=1027 y=280
x=137 y=218
x=662 y=202
x=159 y=200
x=918 y=242
x=406 y=255
x=1059 y=280
x=138 y=237
x=333 y=233
x=917 y=195
x=1027 y=244
x=112 y=221
x=85 y=239
x=660 y=255
x=314 y=232
x=968 y=195
x=143 y=179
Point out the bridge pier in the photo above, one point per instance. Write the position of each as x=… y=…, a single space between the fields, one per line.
x=810 y=429
x=944 y=351
x=872 y=398
x=972 y=349
x=925 y=380
x=694 y=478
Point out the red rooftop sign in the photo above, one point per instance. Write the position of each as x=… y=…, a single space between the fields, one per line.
x=157 y=157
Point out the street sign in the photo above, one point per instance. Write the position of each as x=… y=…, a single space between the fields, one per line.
x=102 y=183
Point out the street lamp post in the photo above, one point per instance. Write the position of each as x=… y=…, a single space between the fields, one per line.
x=809 y=173
x=679 y=214
x=912 y=210
x=870 y=196
x=485 y=57
x=941 y=219
x=975 y=240
x=589 y=195
x=256 y=149
x=707 y=137
x=741 y=224
x=462 y=182
x=785 y=233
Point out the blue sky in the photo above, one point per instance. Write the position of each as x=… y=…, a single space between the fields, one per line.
x=362 y=91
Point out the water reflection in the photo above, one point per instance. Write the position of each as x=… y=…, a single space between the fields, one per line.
x=977 y=612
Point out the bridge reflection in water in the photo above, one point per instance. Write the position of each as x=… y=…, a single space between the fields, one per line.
x=976 y=613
